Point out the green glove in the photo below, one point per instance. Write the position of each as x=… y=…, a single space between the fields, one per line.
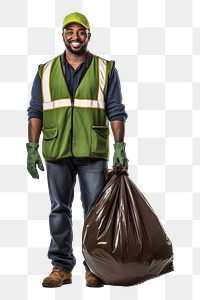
x=120 y=155
x=33 y=159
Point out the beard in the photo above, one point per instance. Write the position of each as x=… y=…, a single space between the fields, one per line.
x=81 y=50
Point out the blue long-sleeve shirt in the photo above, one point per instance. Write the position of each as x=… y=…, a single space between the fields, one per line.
x=115 y=109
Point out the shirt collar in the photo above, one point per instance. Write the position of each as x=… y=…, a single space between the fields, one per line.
x=85 y=61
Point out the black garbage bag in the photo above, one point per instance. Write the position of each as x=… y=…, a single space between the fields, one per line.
x=123 y=240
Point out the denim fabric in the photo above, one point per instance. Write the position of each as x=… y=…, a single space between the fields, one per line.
x=61 y=176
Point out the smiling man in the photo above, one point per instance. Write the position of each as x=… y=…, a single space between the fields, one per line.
x=77 y=45
x=74 y=97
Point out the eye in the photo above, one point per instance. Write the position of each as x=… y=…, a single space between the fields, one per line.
x=69 y=32
x=82 y=32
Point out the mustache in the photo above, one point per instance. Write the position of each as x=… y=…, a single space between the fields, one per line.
x=75 y=41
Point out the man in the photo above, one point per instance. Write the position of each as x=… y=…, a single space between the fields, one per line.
x=73 y=98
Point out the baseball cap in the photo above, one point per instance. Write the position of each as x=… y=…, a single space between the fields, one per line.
x=76 y=17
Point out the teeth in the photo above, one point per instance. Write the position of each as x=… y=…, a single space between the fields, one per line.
x=75 y=44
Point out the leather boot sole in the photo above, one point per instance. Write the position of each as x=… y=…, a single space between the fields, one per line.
x=99 y=285
x=50 y=285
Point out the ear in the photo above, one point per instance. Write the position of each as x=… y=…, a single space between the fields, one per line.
x=89 y=36
x=63 y=36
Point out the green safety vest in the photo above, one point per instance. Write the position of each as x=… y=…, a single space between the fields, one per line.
x=75 y=127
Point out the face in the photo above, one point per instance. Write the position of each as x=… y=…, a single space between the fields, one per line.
x=76 y=38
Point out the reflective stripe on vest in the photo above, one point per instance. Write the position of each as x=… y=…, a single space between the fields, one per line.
x=102 y=78
x=46 y=93
x=48 y=103
x=89 y=103
x=56 y=104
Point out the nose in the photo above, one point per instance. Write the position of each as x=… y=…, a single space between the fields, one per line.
x=75 y=34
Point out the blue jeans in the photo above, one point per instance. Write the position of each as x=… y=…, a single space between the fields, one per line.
x=61 y=176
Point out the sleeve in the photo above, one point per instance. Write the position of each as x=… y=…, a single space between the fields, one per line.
x=35 y=109
x=115 y=109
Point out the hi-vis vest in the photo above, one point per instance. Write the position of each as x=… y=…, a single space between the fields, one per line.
x=75 y=127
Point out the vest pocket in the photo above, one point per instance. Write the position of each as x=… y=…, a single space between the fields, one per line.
x=49 y=147
x=100 y=141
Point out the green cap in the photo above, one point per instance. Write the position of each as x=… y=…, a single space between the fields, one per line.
x=76 y=17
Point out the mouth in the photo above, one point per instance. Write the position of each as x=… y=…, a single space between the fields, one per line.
x=75 y=44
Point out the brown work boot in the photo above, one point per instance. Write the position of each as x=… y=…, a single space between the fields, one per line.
x=92 y=280
x=57 y=278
